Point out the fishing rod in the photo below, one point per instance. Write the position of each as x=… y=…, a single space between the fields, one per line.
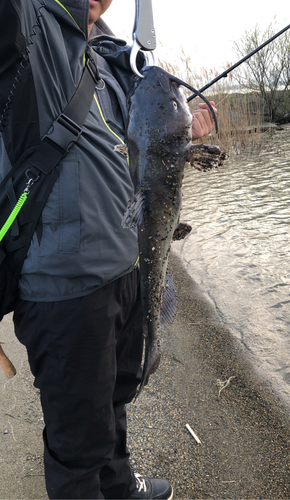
x=225 y=73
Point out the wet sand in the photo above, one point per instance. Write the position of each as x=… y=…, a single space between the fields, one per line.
x=244 y=429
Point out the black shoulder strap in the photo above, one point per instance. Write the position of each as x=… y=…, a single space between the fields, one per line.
x=67 y=128
x=45 y=158
x=41 y=166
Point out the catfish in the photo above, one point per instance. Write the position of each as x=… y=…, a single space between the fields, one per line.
x=159 y=141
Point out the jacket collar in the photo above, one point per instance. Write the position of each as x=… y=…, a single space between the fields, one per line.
x=100 y=28
x=79 y=10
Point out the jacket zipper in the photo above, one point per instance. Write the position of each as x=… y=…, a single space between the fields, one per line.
x=122 y=142
x=103 y=118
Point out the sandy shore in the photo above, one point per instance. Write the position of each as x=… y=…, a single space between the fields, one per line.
x=243 y=428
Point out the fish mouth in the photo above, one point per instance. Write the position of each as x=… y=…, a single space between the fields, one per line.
x=165 y=79
x=178 y=81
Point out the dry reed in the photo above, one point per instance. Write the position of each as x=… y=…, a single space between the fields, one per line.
x=240 y=113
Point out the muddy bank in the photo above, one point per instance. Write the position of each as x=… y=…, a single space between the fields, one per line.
x=243 y=428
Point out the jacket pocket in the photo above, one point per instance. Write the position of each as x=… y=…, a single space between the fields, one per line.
x=69 y=207
x=61 y=215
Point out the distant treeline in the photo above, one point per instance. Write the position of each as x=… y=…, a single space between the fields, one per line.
x=262 y=88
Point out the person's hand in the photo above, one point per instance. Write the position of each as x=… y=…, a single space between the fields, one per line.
x=202 y=123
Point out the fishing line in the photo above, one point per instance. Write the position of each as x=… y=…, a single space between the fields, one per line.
x=226 y=97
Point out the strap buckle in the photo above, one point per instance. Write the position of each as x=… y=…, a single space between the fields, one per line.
x=91 y=65
x=64 y=133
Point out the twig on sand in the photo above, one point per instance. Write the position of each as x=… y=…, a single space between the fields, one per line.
x=193 y=434
x=223 y=384
x=12 y=430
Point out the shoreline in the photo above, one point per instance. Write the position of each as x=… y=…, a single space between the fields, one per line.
x=270 y=375
x=244 y=428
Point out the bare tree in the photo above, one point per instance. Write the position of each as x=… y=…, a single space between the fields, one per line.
x=268 y=71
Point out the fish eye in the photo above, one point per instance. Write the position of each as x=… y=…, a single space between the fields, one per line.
x=174 y=105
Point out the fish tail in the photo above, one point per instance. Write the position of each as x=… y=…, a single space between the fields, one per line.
x=145 y=363
x=151 y=362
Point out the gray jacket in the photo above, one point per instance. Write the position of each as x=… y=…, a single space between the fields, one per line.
x=80 y=244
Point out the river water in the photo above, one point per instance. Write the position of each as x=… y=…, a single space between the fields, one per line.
x=239 y=250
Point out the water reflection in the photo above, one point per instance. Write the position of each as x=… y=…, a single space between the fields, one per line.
x=238 y=251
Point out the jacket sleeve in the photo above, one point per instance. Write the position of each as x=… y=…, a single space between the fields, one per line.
x=16 y=89
x=12 y=46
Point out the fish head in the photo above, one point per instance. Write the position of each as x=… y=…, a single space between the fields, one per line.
x=159 y=115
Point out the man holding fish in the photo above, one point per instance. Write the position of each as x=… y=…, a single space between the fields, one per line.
x=79 y=312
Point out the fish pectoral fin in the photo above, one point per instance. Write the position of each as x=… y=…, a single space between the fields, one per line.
x=205 y=157
x=181 y=231
x=134 y=213
x=169 y=303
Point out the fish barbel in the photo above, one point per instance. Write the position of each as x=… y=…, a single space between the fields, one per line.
x=159 y=140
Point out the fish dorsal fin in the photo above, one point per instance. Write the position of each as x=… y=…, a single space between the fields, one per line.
x=169 y=303
x=134 y=213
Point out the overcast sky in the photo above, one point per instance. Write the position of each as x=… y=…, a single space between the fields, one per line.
x=205 y=30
